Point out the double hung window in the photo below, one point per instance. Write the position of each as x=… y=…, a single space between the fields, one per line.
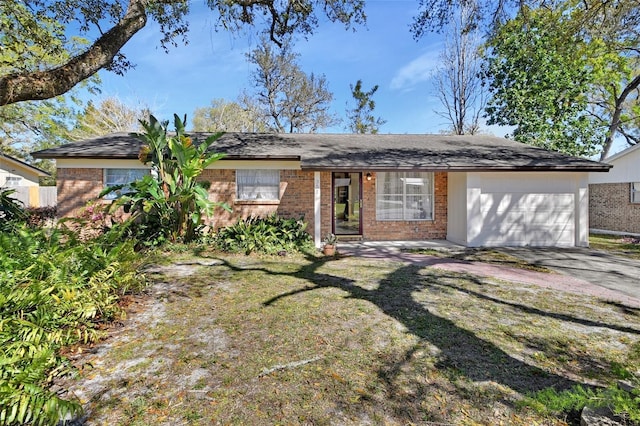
x=258 y=185
x=635 y=192
x=404 y=196
x=114 y=177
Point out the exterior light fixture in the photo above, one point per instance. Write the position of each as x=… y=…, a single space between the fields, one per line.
x=368 y=176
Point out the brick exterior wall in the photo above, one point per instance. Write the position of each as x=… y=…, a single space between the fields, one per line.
x=76 y=187
x=374 y=230
x=296 y=198
x=435 y=229
x=610 y=208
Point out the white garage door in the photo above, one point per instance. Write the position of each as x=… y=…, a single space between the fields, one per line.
x=525 y=219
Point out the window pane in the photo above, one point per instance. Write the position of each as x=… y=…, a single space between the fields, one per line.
x=417 y=207
x=258 y=184
x=635 y=192
x=389 y=207
x=13 y=181
x=416 y=183
x=393 y=183
x=122 y=177
x=404 y=196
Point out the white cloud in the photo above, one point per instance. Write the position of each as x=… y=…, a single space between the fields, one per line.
x=415 y=72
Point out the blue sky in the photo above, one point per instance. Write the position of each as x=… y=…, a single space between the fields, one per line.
x=213 y=65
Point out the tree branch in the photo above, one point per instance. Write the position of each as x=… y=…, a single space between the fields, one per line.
x=615 y=119
x=47 y=84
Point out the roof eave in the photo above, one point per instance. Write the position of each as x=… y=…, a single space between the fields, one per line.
x=319 y=168
x=260 y=157
x=38 y=172
x=84 y=157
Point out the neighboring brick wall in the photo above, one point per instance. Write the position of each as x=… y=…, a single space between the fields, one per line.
x=610 y=208
x=76 y=187
x=405 y=230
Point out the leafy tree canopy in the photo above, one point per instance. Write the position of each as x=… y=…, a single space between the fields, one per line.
x=109 y=116
x=539 y=80
x=31 y=42
x=608 y=34
x=565 y=85
x=223 y=116
x=35 y=29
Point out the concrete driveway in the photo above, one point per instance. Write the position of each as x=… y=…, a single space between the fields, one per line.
x=604 y=269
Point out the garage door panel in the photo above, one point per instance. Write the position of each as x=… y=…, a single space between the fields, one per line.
x=527 y=219
x=551 y=217
x=509 y=229
x=562 y=239
x=500 y=203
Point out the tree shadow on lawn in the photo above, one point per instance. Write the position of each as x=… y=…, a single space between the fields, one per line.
x=535 y=311
x=459 y=349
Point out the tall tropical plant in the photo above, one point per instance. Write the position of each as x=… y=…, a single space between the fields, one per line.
x=170 y=203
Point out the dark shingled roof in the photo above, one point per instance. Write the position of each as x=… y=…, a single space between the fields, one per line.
x=319 y=151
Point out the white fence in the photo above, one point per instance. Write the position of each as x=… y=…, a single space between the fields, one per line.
x=36 y=196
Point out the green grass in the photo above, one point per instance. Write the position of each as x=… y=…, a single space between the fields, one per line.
x=616 y=244
x=305 y=340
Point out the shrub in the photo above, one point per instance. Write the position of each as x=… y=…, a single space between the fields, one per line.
x=268 y=235
x=11 y=210
x=37 y=217
x=54 y=291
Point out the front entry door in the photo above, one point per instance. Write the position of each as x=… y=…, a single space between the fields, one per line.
x=347 y=203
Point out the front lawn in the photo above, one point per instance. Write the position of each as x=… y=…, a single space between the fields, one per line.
x=484 y=255
x=227 y=339
x=616 y=244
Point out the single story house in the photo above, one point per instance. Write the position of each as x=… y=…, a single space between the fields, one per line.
x=472 y=190
x=614 y=197
x=15 y=173
x=23 y=177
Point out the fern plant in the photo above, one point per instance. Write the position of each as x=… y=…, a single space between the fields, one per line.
x=268 y=235
x=54 y=291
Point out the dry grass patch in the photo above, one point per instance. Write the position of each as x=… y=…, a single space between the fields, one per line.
x=483 y=255
x=248 y=340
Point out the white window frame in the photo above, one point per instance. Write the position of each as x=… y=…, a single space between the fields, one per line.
x=635 y=192
x=13 y=181
x=265 y=188
x=134 y=174
x=407 y=213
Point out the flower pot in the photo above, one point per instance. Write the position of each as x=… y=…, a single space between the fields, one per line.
x=329 y=249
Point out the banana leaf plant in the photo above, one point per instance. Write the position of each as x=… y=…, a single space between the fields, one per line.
x=171 y=203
